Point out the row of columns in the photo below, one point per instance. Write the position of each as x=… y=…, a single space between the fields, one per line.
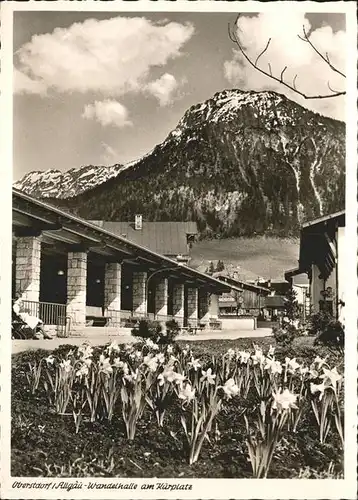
x=28 y=259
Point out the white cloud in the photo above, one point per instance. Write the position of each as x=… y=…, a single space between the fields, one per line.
x=286 y=49
x=112 y=56
x=107 y=112
x=163 y=89
x=24 y=84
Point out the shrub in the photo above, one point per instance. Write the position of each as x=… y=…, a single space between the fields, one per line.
x=328 y=331
x=147 y=330
x=284 y=334
x=153 y=330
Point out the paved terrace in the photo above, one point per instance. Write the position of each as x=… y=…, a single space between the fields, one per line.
x=97 y=336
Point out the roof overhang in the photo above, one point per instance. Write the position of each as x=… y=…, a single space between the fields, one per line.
x=66 y=232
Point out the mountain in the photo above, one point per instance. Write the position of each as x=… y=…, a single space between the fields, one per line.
x=56 y=184
x=240 y=164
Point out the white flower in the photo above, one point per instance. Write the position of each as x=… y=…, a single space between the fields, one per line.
x=318 y=388
x=105 y=365
x=186 y=392
x=66 y=365
x=160 y=358
x=230 y=353
x=194 y=363
x=86 y=351
x=149 y=343
x=244 y=356
x=178 y=378
x=138 y=354
x=83 y=371
x=284 y=400
x=208 y=375
x=292 y=364
x=50 y=360
x=273 y=365
x=169 y=349
x=132 y=377
x=128 y=347
x=151 y=362
x=118 y=363
x=320 y=361
x=258 y=357
x=230 y=388
x=113 y=347
x=332 y=375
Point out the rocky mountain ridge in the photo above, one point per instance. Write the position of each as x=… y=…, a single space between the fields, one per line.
x=239 y=164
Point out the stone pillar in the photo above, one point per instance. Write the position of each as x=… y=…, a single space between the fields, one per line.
x=27 y=270
x=161 y=298
x=204 y=303
x=214 y=306
x=140 y=293
x=192 y=305
x=76 y=287
x=178 y=303
x=112 y=291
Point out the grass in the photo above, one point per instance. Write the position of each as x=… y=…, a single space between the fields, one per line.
x=261 y=256
x=45 y=444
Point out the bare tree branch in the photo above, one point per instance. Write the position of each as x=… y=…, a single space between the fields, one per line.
x=325 y=58
x=232 y=31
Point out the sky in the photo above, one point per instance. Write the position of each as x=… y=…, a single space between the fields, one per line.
x=105 y=88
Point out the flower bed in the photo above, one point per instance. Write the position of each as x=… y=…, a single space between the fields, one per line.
x=176 y=411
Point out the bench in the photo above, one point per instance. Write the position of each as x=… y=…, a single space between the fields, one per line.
x=95 y=316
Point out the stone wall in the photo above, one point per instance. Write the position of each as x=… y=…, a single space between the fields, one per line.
x=192 y=304
x=178 y=303
x=161 y=297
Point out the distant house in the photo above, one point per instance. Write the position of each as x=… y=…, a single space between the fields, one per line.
x=301 y=286
x=244 y=298
x=172 y=239
x=322 y=259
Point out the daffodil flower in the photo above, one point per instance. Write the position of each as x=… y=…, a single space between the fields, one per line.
x=332 y=375
x=105 y=365
x=320 y=361
x=318 y=388
x=169 y=349
x=113 y=347
x=151 y=362
x=50 y=360
x=284 y=400
x=186 y=392
x=66 y=365
x=258 y=357
x=292 y=364
x=83 y=371
x=230 y=388
x=160 y=358
x=230 y=353
x=194 y=363
x=244 y=357
x=271 y=351
x=273 y=365
x=208 y=375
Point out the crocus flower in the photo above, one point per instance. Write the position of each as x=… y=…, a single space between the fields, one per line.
x=186 y=392
x=230 y=388
x=208 y=375
x=284 y=400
